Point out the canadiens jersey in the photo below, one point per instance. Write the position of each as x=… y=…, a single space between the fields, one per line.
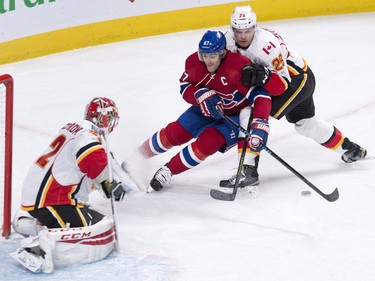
x=74 y=158
x=269 y=49
x=226 y=82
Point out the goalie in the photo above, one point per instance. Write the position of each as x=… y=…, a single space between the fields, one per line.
x=62 y=228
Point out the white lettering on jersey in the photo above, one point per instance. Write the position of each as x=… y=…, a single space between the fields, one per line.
x=72 y=128
x=222 y=79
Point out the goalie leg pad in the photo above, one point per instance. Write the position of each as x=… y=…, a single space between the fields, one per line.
x=26 y=225
x=60 y=247
x=81 y=245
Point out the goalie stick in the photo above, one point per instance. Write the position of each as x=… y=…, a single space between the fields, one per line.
x=110 y=178
x=217 y=194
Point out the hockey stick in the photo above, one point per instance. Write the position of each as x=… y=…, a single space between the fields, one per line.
x=217 y=194
x=331 y=197
x=110 y=179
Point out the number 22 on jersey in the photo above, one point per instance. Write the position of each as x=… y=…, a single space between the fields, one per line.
x=56 y=145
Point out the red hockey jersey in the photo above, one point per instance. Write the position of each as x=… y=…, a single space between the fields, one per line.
x=226 y=81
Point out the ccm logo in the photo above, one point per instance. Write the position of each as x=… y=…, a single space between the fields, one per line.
x=71 y=236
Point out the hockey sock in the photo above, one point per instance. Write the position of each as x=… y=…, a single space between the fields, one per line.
x=163 y=140
x=249 y=156
x=335 y=141
x=208 y=142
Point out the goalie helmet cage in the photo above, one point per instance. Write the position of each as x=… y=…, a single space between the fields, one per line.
x=6 y=142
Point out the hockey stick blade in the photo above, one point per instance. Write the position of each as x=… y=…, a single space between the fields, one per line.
x=224 y=196
x=329 y=197
x=220 y=195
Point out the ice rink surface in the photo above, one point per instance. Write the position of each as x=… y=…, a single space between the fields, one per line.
x=182 y=233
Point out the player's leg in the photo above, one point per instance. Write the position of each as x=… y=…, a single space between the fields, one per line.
x=249 y=174
x=212 y=136
x=163 y=140
x=300 y=110
x=330 y=137
x=176 y=133
x=66 y=216
x=207 y=143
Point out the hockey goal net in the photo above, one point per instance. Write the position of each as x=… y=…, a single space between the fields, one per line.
x=6 y=141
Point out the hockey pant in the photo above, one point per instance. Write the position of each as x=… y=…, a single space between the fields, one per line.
x=297 y=105
x=67 y=216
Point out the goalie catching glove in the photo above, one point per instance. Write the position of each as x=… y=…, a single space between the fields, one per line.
x=259 y=134
x=255 y=75
x=210 y=103
x=114 y=189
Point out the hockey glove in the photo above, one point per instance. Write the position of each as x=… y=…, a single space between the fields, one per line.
x=118 y=192
x=259 y=134
x=255 y=75
x=113 y=188
x=209 y=103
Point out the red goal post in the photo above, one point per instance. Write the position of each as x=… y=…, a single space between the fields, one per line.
x=6 y=148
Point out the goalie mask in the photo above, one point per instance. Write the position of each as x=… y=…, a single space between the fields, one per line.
x=103 y=113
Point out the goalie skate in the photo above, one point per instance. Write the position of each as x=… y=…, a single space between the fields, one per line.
x=33 y=261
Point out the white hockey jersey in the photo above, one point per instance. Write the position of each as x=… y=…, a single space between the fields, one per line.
x=269 y=49
x=67 y=167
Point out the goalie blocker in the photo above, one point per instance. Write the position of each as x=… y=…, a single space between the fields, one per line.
x=60 y=247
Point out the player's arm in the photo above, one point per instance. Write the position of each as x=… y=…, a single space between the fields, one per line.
x=188 y=86
x=188 y=90
x=93 y=161
x=259 y=75
x=92 y=158
x=258 y=97
x=261 y=102
x=270 y=71
x=279 y=79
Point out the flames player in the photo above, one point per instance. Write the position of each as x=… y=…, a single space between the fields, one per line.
x=60 y=227
x=211 y=83
x=290 y=81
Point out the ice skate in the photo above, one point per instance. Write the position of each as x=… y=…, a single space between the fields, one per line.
x=353 y=153
x=249 y=177
x=161 y=177
x=34 y=259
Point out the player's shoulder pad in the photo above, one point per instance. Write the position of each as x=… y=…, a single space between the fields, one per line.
x=237 y=58
x=193 y=57
x=265 y=44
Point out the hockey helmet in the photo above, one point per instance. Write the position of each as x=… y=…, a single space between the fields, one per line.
x=213 y=42
x=103 y=113
x=243 y=17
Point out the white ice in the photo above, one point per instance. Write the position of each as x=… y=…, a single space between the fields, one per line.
x=182 y=233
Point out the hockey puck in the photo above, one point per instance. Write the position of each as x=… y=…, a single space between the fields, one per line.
x=305 y=193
